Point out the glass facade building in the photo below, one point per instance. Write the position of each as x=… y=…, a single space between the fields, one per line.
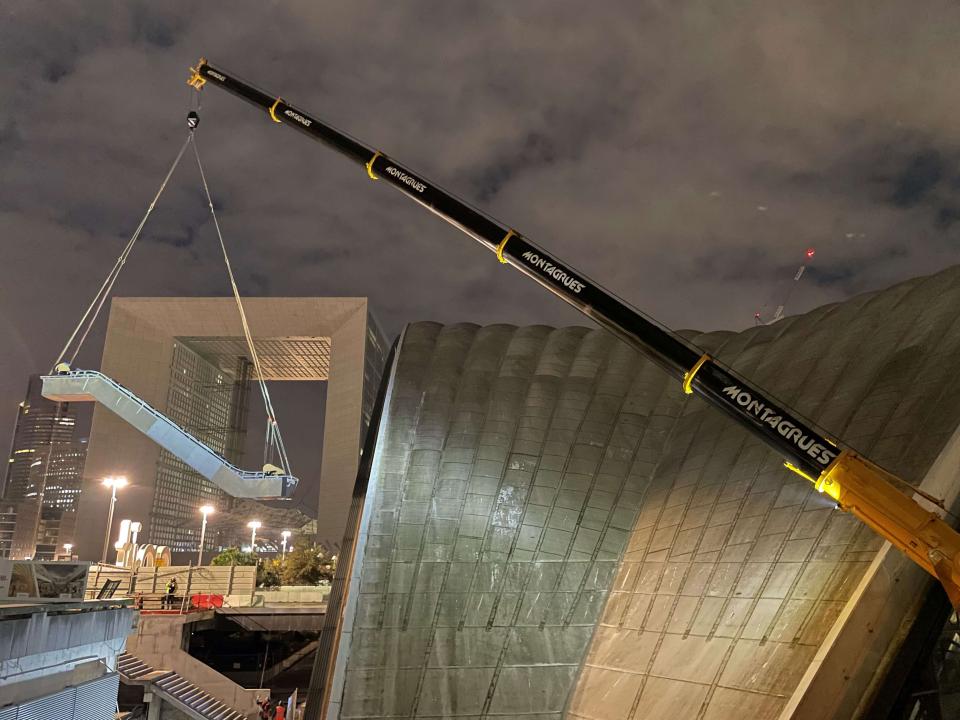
x=43 y=477
x=208 y=396
x=210 y=405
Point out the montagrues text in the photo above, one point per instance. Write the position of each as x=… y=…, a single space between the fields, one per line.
x=788 y=429
x=554 y=271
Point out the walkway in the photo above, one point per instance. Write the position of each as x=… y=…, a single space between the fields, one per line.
x=93 y=386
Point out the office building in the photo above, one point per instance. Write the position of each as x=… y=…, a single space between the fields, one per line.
x=187 y=357
x=43 y=477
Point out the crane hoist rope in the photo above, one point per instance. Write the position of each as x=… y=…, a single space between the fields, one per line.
x=274 y=450
x=273 y=442
x=96 y=305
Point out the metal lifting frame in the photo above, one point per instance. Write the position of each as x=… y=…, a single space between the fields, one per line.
x=854 y=483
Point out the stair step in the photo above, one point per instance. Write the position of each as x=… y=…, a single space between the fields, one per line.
x=178 y=687
x=206 y=705
x=174 y=684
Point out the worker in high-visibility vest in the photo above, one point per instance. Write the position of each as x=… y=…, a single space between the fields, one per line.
x=170 y=599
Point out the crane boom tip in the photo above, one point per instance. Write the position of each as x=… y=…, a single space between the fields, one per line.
x=196 y=80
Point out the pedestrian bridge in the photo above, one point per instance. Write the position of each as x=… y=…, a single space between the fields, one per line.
x=94 y=386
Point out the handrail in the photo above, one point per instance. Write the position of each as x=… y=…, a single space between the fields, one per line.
x=288 y=481
x=95 y=374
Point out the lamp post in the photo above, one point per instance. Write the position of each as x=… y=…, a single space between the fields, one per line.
x=68 y=548
x=253 y=525
x=114 y=483
x=205 y=510
x=285 y=534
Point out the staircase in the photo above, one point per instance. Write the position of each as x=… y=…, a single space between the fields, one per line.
x=93 y=386
x=174 y=689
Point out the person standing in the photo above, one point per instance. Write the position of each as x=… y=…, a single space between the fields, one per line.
x=170 y=599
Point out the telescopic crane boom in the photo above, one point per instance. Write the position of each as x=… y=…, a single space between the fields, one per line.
x=853 y=482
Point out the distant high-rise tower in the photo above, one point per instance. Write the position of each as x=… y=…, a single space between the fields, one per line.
x=43 y=477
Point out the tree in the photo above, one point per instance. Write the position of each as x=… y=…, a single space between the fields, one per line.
x=234 y=556
x=308 y=564
x=269 y=573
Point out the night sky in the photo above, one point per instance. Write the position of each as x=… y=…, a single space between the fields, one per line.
x=683 y=154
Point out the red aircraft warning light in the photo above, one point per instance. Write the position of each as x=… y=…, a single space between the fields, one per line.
x=811 y=252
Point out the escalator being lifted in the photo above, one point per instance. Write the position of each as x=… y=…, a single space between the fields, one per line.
x=65 y=384
x=92 y=386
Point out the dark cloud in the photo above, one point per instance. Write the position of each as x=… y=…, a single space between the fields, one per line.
x=684 y=154
x=320 y=255
x=182 y=239
x=56 y=69
x=532 y=150
x=832 y=275
x=9 y=136
x=918 y=179
x=154 y=29
x=259 y=283
x=947 y=216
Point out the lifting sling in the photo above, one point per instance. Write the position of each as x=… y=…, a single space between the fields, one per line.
x=274 y=452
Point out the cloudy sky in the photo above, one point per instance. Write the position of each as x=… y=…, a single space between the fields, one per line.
x=682 y=153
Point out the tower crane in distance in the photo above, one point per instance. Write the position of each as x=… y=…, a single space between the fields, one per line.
x=758 y=316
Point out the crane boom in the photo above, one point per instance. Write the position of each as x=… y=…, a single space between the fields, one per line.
x=853 y=482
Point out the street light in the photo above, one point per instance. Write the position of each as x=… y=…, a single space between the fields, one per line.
x=285 y=534
x=68 y=547
x=253 y=525
x=205 y=510
x=114 y=483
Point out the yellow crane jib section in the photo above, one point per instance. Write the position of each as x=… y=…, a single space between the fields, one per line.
x=273 y=110
x=369 y=165
x=870 y=494
x=503 y=244
x=692 y=372
x=196 y=80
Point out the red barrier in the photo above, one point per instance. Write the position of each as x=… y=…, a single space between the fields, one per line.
x=206 y=602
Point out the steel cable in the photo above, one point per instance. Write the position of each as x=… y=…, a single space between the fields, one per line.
x=273 y=437
x=96 y=305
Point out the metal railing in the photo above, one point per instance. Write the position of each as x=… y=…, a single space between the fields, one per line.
x=191 y=580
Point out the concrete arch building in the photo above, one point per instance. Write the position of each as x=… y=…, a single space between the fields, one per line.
x=187 y=357
x=552 y=529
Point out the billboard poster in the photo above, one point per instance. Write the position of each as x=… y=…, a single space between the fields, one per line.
x=42 y=581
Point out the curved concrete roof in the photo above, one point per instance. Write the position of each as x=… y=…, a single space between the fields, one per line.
x=552 y=529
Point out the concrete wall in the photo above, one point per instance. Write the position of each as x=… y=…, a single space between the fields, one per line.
x=736 y=570
x=862 y=642
x=553 y=529
x=46 y=649
x=158 y=641
x=235 y=580
x=286 y=595
x=492 y=537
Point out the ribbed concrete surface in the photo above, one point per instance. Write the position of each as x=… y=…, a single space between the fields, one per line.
x=555 y=530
